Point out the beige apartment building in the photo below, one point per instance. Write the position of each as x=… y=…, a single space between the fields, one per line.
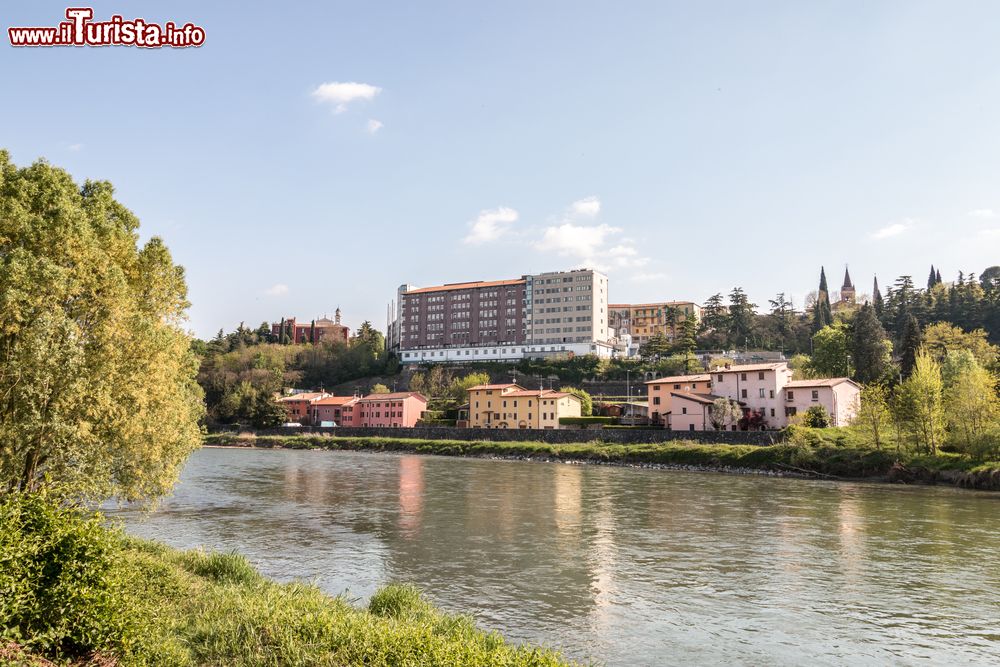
x=641 y=321
x=513 y=406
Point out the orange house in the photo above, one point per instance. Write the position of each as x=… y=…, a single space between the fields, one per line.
x=659 y=393
x=400 y=410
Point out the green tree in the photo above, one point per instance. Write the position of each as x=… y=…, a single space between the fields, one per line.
x=942 y=337
x=920 y=401
x=909 y=345
x=725 y=414
x=458 y=390
x=973 y=410
x=657 y=346
x=687 y=343
x=97 y=376
x=266 y=412
x=586 y=402
x=871 y=349
x=874 y=417
x=741 y=318
x=380 y=389
x=816 y=417
x=822 y=312
x=830 y=357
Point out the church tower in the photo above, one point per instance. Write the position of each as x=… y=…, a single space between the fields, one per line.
x=847 y=293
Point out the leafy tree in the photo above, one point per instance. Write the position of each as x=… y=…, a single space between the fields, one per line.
x=97 y=376
x=380 y=389
x=586 y=401
x=909 y=345
x=871 y=349
x=941 y=337
x=714 y=321
x=920 y=402
x=266 y=412
x=657 y=346
x=816 y=417
x=725 y=413
x=874 y=417
x=741 y=317
x=686 y=345
x=459 y=387
x=830 y=357
x=973 y=409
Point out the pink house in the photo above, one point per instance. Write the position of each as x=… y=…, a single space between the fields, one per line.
x=659 y=391
x=334 y=409
x=401 y=409
x=839 y=396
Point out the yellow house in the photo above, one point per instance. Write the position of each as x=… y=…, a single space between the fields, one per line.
x=513 y=406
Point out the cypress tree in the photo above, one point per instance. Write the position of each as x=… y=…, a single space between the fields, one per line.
x=869 y=346
x=877 y=303
x=939 y=276
x=822 y=312
x=931 y=279
x=909 y=345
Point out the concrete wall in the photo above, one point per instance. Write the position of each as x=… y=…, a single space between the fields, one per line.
x=621 y=436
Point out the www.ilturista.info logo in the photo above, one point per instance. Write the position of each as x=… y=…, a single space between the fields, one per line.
x=79 y=30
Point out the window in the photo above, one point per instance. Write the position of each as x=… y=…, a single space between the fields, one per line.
x=743 y=393
x=684 y=411
x=791 y=395
x=760 y=376
x=772 y=393
x=772 y=412
x=743 y=377
x=815 y=394
x=762 y=393
x=720 y=377
x=677 y=386
x=790 y=412
x=690 y=427
x=656 y=387
x=656 y=400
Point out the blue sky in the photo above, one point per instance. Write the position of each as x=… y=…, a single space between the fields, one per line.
x=683 y=147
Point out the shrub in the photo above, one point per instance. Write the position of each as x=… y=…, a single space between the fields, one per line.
x=586 y=421
x=63 y=593
x=816 y=417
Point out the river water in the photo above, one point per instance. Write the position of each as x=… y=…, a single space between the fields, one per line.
x=613 y=565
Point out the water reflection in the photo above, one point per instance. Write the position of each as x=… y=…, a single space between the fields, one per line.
x=623 y=566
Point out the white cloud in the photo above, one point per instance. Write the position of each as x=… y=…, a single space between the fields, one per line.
x=983 y=213
x=75 y=147
x=895 y=229
x=490 y=225
x=373 y=126
x=341 y=94
x=648 y=277
x=570 y=239
x=276 y=290
x=587 y=207
x=990 y=233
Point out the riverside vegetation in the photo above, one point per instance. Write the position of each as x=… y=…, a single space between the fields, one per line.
x=76 y=591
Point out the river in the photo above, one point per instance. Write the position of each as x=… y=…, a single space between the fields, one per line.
x=618 y=566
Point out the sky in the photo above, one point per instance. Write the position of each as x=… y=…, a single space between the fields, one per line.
x=312 y=155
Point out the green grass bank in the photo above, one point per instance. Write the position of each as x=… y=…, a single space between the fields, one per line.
x=824 y=453
x=75 y=592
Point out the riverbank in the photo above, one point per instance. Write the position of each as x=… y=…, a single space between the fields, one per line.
x=814 y=457
x=80 y=593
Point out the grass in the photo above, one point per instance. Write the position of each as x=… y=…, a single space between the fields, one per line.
x=78 y=592
x=833 y=452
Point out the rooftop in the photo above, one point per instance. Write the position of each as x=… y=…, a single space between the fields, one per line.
x=819 y=382
x=652 y=305
x=335 y=400
x=394 y=396
x=494 y=386
x=470 y=285
x=700 y=377
x=744 y=368
x=304 y=396
x=704 y=399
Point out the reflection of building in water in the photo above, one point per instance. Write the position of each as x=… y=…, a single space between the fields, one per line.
x=851 y=532
x=411 y=494
x=603 y=561
x=567 y=504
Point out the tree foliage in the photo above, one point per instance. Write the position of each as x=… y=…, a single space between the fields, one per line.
x=97 y=377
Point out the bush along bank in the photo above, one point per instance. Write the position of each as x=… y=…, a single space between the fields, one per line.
x=830 y=455
x=77 y=592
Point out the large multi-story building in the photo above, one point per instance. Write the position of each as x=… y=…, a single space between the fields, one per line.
x=640 y=321
x=557 y=313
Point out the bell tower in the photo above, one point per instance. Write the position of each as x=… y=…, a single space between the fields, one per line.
x=847 y=294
